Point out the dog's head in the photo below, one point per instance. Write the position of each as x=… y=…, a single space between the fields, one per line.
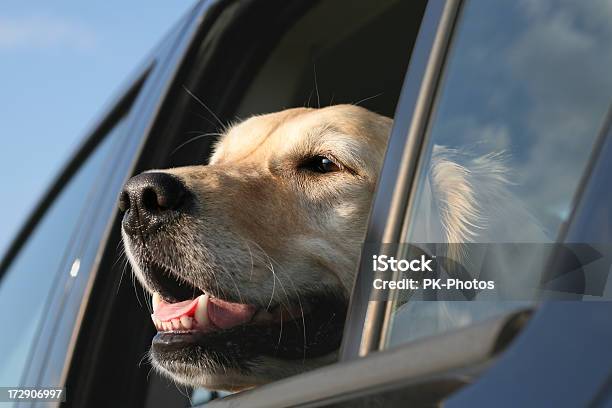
x=250 y=259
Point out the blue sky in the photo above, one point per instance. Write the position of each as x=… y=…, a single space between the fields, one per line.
x=60 y=62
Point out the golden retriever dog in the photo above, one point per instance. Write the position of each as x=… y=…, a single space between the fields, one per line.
x=250 y=259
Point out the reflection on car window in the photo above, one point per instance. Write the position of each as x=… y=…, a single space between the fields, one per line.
x=26 y=284
x=525 y=90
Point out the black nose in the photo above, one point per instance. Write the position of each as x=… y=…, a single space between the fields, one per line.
x=149 y=200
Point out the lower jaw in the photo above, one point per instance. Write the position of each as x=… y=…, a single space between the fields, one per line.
x=205 y=373
x=190 y=367
x=243 y=349
x=242 y=357
x=288 y=341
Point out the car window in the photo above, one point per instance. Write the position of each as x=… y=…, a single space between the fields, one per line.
x=310 y=61
x=28 y=280
x=525 y=90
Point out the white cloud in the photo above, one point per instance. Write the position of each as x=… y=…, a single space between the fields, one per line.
x=44 y=32
x=541 y=89
x=563 y=59
x=475 y=135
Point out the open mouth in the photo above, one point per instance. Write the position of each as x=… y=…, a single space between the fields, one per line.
x=207 y=313
x=203 y=312
x=190 y=321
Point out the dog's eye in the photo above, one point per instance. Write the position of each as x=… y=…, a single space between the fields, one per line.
x=320 y=164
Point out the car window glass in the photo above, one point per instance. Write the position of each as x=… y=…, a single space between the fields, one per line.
x=525 y=90
x=28 y=280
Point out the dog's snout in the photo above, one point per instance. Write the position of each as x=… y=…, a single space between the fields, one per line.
x=148 y=199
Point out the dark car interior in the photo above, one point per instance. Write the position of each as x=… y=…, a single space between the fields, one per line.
x=252 y=58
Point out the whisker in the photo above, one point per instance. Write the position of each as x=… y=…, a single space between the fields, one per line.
x=314 y=68
x=302 y=315
x=273 y=287
x=367 y=99
x=193 y=139
x=280 y=334
x=144 y=356
x=204 y=105
x=136 y=290
x=307 y=104
x=125 y=265
x=120 y=255
x=275 y=277
x=233 y=280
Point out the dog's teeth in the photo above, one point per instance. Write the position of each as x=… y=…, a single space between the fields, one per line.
x=201 y=312
x=156 y=301
x=156 y=322
x=186 y=322
x=176 y=324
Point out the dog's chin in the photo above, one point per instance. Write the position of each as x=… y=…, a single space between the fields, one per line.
x=262 y=370
x=182 y=369
x=185 y=370
x=202 y=375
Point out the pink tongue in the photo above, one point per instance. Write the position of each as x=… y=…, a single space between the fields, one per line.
x=225 y=315
x=222 y=314
x=168 y=311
